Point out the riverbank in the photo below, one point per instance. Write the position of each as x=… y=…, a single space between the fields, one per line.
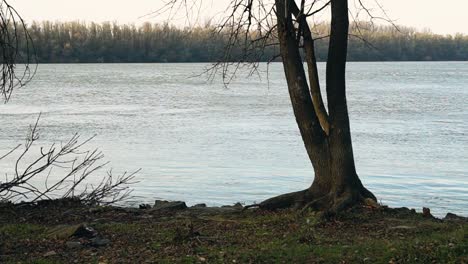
x=69 y=232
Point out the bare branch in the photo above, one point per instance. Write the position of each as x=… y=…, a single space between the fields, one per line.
x=72 y=169
x=16 y=46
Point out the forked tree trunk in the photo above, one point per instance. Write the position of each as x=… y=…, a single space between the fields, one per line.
x=327 y=137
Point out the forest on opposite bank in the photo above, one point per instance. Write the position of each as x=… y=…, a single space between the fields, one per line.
x=79 y=42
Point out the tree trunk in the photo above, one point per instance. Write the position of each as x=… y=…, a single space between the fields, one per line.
x=336 y=185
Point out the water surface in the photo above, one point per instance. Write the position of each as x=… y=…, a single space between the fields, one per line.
x=199 y=141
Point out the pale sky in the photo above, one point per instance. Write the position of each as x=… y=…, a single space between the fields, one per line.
x=440 y=16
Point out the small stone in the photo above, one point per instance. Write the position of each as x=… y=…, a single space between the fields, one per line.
x=202 y=259
x=371 y=203
x=167 y=205
x=454 y=217
x=427 y=212
x=73 y=244
x=402 y=210
x=235 y=206
x=145 y=206
x=49 y=254
x=200 y=205
x=99 y=242
x=85 y=231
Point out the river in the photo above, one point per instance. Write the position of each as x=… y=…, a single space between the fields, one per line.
x=199 y=141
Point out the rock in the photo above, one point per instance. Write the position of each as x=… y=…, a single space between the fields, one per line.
x=85 y=231
x=145 y=206
x=235 y=206
x=49 y=254
x=454 y=217
x=99 y=242
x=371 y=203
x=201 y=205
x=427 y=212
x=401 y=211
x=73 y=244
x=167 y=205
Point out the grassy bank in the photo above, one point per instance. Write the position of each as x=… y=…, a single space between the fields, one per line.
x=48 y=234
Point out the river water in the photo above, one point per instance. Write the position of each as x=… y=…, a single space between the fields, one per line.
x=199 y=141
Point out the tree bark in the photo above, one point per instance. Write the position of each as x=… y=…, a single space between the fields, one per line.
x=327 y=138
x=309 y=48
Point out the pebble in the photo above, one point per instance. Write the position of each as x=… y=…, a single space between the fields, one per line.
x=85 y=231
x=145 y=206
x=99 y=242
x=73 y=244
x=50 y=253
x=426 y=212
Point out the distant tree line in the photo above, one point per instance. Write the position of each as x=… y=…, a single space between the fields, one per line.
x=77 y=42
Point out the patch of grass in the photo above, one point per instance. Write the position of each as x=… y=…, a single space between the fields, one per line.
x=253 y=237
x=21 y=231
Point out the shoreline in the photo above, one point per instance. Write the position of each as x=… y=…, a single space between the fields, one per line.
x=66 y=231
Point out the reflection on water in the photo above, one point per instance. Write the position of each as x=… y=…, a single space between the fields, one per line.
x=198 y=141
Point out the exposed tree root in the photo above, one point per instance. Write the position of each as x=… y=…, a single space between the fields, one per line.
x=330 y=203
x=288 y=200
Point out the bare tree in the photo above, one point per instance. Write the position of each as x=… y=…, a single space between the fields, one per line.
x=326 y=135
x=256 y=24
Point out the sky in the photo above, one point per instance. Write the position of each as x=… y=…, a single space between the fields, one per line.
x=441 y=17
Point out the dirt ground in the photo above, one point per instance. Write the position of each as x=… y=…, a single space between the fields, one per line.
x=69 y=232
